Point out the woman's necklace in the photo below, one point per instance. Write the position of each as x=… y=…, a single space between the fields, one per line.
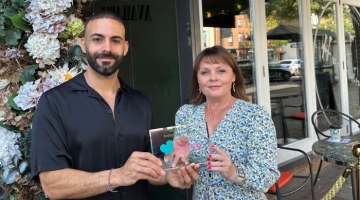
x=215 y=115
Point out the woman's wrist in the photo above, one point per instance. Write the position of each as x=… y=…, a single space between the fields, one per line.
x=234 y=175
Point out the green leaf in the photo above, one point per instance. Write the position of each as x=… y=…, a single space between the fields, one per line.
x=5 y=174
x=27 y=74
x=12 y=37
x=10 y=128
x=15 y=159
x=11 y=101
x=2 y=40
x=22 y=81
x=2 y=32
x=23 y=165
x=2 y=20
x=2 y=162
x=19 y=3
x=10 y=166
x=11 y=177
x=70 y=10
x=8 y=24
x=42 y=196
x=11 y=10
x=18 y=21
x=12 y=197
x=62 y=35
x=76 y=51
x=4 y=196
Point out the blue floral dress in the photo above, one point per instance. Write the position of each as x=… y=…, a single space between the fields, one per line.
x=248 y=135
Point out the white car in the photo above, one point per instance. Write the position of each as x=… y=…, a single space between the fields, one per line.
x=293 y=64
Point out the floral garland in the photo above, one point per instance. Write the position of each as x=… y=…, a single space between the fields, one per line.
x=39 y=50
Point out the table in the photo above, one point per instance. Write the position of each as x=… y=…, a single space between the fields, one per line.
x=334 y=152
x=337 y=153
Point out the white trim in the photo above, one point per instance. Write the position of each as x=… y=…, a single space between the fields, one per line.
x=260 y=47
x=196 y=27
x=351 y=2
x=344 y=97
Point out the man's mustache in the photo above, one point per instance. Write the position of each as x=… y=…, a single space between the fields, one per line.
x=105 y=55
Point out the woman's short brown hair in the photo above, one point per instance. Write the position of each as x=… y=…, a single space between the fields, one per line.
x=216 y=55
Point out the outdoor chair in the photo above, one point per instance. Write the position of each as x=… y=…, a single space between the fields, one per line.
x=288 y=183
x=295 y=116
x=323 y=119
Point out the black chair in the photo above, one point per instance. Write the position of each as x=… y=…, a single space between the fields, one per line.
x=322 y=120
x=280 y=188
x=298 y=115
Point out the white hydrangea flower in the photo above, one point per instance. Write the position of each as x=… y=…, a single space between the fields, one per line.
x=49 y=6
x=8 y=146
x=63 y=74
x=30 y=93
x=43 y=47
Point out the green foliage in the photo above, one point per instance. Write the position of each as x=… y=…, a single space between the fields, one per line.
x=12 y=197
x=28 y=74
x=12 y=37
x=10 y=128
x=25 y=145
x=11 y=170
x=11 y=10
x=18 y=21
x=42 y=196
x=12 y=103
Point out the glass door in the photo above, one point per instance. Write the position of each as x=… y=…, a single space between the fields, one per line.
x=285 y=68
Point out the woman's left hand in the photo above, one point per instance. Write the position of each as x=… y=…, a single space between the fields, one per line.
x=222 y=163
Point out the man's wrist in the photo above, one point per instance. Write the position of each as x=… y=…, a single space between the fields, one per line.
x=115 y=179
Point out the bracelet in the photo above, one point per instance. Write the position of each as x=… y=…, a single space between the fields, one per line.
x=109 y=188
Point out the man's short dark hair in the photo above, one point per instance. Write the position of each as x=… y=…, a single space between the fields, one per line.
x=104 y=15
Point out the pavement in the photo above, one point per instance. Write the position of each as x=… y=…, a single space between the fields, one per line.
x=326 y=180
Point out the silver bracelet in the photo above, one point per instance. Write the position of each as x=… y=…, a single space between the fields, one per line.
x=109 y=188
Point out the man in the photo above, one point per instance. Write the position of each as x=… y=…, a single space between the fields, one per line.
x=90 y=135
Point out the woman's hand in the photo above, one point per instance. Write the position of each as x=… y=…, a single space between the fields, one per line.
x=181 y=151
x=222 y=163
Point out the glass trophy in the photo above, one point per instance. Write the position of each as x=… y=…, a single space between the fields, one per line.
x=179 y=146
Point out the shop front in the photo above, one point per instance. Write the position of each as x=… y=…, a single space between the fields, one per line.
x=297 y=57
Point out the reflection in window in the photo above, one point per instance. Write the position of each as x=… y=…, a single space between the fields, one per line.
x=239 y=22
x=240 y=36
x=230 y=40
x=352 y=48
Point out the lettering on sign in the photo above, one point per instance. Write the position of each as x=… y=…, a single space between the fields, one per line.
x=130 y=13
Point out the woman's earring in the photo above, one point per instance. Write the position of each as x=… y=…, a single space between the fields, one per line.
x=199 y=89
x=234 y=86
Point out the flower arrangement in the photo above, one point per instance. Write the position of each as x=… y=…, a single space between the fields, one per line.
x=39 y=50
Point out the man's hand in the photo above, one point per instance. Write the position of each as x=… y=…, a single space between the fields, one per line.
x=140 y=165
x=183 y=177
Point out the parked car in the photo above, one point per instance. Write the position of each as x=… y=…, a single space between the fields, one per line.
x=276 y=71
x=293 y=64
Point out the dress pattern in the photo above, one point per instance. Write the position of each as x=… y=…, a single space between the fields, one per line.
x=248 y=135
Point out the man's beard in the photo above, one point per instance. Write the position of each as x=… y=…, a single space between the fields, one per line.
x=105 y=68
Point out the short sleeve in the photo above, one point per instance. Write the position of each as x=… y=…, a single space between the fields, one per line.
x=49 y=146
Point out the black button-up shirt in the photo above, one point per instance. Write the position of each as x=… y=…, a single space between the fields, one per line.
x=74 y=128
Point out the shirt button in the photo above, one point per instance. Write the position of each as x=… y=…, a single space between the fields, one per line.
x=118 y=111
x=109 y=111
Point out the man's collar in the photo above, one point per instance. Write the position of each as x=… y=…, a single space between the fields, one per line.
x=78 y=83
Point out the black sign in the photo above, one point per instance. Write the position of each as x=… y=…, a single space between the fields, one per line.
x=131 y=13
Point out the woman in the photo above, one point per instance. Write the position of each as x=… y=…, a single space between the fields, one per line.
x=242 y=161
